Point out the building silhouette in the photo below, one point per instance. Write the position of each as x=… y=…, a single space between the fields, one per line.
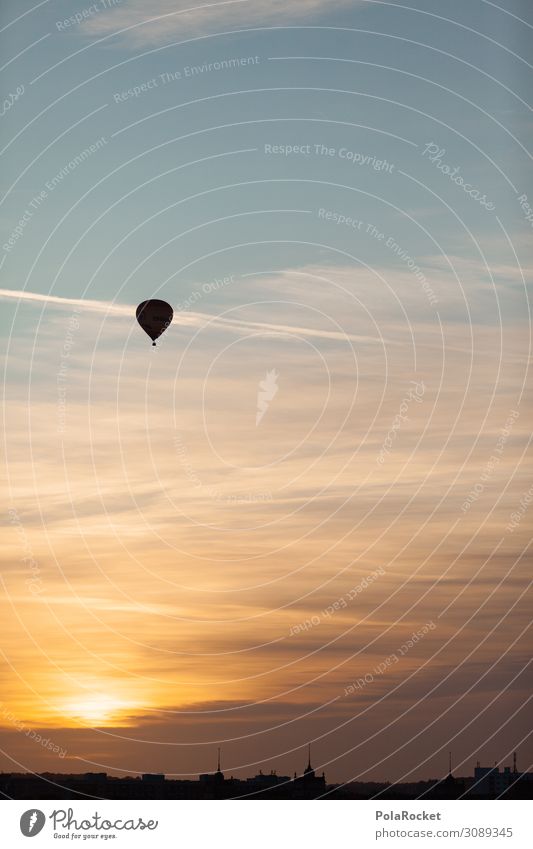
x=491 y=782
x=485 y=783
x=215 y=779
x=309 y=785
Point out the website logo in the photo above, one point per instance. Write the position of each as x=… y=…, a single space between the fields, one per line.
x=32 y=822
x=268 y=389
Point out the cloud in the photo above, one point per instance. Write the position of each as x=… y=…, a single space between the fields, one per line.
x=149 y=590
x=67 y=303
x=166 y=20
x=184 y=319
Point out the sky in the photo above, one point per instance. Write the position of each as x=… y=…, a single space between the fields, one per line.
x=303 y=515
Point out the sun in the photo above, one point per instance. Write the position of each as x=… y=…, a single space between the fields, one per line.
x=98 y=709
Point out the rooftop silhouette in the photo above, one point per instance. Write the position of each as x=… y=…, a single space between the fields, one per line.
x=486 y=783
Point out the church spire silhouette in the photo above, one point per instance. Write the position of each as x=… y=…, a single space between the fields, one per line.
x=309 y=771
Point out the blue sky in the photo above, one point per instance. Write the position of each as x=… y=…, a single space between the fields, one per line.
x=432 y=97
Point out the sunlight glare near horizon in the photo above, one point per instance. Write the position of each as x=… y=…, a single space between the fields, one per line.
x=98 y=709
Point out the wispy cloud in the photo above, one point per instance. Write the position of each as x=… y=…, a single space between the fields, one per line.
x=67 y=303
x=164 y=20
x=184 y=319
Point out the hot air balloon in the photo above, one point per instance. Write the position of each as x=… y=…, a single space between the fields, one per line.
x=154 y=317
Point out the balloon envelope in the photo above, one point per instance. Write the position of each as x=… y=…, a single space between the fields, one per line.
x=154 y=317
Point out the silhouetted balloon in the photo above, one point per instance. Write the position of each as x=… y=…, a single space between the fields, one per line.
x=154 y=317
